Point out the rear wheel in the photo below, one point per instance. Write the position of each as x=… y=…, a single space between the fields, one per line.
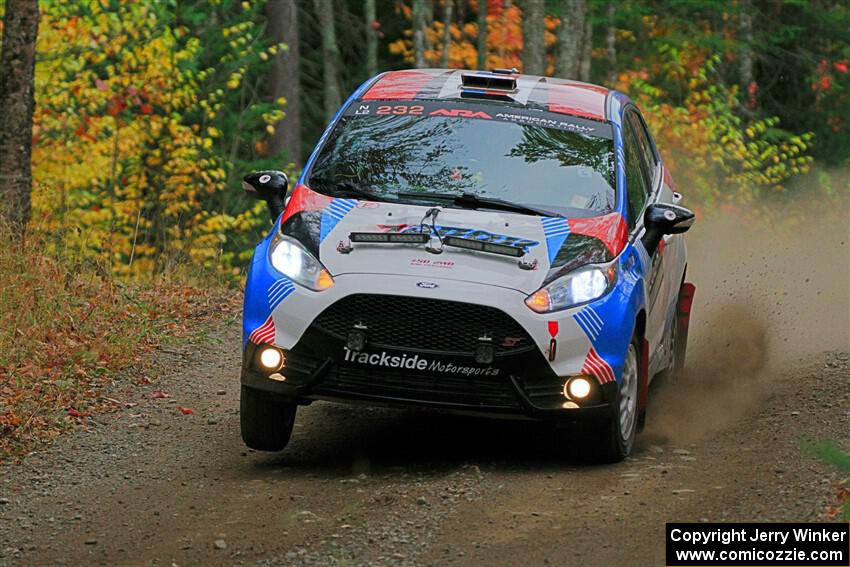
x=266 y=423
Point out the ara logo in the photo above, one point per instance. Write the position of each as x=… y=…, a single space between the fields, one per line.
x=427 y=285
x=462 y=112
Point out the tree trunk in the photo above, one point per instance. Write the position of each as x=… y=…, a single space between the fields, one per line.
x=586 y=52
x=573 y=13
x=533 y=54
x=611 y=44
x=447 y=32
x=482 y=34
x=745 y=28
x=419 y=34
x=371 y=38
x=330 y=57
x=17 y=69
x=283 y=28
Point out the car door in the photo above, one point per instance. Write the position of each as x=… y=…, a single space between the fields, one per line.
x=642 y=184
x=667 y=261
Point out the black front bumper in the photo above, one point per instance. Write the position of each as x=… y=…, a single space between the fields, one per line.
x=525 y=386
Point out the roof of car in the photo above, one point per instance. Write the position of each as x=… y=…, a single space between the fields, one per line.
x=556 y=95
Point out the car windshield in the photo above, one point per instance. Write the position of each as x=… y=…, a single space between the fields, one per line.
x=568 y=172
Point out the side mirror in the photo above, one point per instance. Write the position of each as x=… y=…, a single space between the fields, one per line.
x=270 y=186
x=664 y=218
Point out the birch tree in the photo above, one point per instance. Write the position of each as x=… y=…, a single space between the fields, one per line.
x=570 y=32
x=285 y=82
x=371 y=38
x=447 y=32
x=482 y=34
x=330 y=57
x=419 y=33
x=533 y=52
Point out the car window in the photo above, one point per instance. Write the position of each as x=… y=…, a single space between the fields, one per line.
x=645 y=145
x=558 y=169
x=637 y=186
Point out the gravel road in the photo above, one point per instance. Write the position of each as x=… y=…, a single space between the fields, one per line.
x=150 y=485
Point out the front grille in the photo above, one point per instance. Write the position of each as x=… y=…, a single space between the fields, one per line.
x=419 y=323
x=477 y=392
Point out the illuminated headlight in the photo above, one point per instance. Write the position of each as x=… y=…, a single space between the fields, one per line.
x=271 y=358
x=290 y=258
x=580 y=286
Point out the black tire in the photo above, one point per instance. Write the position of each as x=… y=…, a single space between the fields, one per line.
x=607 y=442
x=266 y=423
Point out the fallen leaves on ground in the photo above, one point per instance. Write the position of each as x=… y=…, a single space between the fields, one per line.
x=76 y=333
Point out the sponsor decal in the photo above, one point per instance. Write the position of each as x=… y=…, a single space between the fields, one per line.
x=369 y=106
x=474 y=234
x=415 y=362
x=427 y=285
x=428 y=263
x=462 y=112
x=545 y=122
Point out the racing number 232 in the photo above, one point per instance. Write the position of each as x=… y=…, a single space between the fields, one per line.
x=412 y=110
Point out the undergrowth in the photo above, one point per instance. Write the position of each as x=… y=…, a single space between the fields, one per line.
x=69 y=332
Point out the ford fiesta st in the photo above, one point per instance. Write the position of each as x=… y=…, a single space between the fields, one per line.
x=486 y=242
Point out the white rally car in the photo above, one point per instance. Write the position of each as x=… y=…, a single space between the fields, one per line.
x=484 y=242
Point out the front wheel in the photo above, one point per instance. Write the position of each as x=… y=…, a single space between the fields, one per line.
x=266 y=423
x=614 y=438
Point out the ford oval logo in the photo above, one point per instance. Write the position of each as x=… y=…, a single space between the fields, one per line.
x=427 y=285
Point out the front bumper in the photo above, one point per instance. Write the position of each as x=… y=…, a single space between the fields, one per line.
x=525 y=387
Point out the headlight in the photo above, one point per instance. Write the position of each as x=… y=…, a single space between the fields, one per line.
x=290 y=258
x=580 y=286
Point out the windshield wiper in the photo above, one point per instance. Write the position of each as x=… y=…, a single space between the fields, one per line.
x=346 y=188
x=473 y=201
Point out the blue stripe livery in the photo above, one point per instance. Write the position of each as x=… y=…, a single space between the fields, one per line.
x=556 y=230
x=278 y=291
x=590 y=322
x=333 y=213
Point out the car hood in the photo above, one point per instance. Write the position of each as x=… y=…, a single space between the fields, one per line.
x=553 y=245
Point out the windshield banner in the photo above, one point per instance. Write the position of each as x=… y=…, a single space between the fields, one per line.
x=480 y=111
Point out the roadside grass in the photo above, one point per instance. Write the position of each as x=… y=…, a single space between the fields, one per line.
x=69 y=332
x=828 y=452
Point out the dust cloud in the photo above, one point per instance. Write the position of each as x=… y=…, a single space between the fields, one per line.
x=773 y=291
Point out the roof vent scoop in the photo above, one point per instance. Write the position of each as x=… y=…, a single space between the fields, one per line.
x=495 y=81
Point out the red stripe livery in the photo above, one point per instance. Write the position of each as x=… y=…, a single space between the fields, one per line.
x=264 y=333
x=610 y=229
x=398 y=85
x=596 y=366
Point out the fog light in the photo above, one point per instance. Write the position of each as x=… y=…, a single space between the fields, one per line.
x=271 y=358
x=577 y=388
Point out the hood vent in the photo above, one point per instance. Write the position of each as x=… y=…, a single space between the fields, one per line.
x=497 y=82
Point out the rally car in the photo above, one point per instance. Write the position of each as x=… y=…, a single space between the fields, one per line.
x=479 y=242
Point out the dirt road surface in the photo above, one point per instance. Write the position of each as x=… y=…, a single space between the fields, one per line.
x=150 y=485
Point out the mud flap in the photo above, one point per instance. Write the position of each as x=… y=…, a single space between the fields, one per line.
x=683 y=320
x=643 y=383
